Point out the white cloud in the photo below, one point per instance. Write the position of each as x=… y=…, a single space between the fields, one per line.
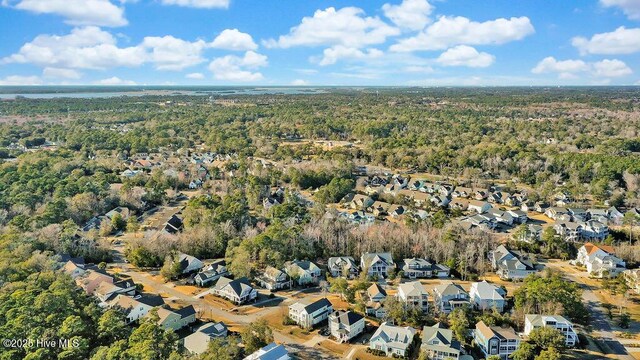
x=631 y=8
x=463 y=55
x=195 y=76
x=240 y=69
x=114 y=81
x=21 y=80
x=299 y=82
x=84 y=48
x=572 y=69
x=201 y=4
x=170 y=53
x=233 y=39
x=339 y=52
x=76 y=12
x=450 y=31
x=93 y=48
x=348 y=27
x=620 y=41
x=410 y=14
x=564 y=68
x=611 y=68
x=58 y=73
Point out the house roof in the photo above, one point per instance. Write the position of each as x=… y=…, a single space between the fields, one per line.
x=395 y=336
x=592 y=248
x=444 y=338
x=488 y=291
x=412 y=288
x=449 y=289
x=494 y=331
x=541 y=320
x=346 y=317
x=315 y=306
x=376 y=289
x=237 y=285
x=213 y=329
x=186 y=311
x=272 y=351
x=342 y=261
x=370 y=258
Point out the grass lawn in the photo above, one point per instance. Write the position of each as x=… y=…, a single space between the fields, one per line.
x=334 y=347
x=362 y=354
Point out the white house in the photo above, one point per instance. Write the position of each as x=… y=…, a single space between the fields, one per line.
x=392 y=340
x=480 y=207
x=198 y=342
x=345 y=325
x=134 y=309
x=309 y=315
x=448 y=297
x=413 y=294
x=532 y=321
x=272 y=351
x=344 y=266
x=377 y=264
x=237 y=291
x=416 y=268
x=511 y=264
x=189 y=264
x=600 y=260
x=485 y=296
x=303 y=272
x=632 y=278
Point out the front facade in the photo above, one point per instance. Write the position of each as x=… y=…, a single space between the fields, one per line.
x=564 y=326
x=485 y=296
x=439 y=343
x=448 y=297
x=413 y=294
x=343 y=266
x=392 y=340
x=237 y=291
x=309 y=315
x=377 y=264
x=496 y=340
x=600 y=261
x=511 y=264
x=303 y=272
x=416 y=268
x=274 y=279
x=345 y=325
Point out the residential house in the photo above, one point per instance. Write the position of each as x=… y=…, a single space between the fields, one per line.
x=135 y=308
x=503 y=217
x=462 y=192
x=518 y=216
x=211 y=273
x=377 y=264
x=198 y=342
x=176 y=320
x=272 y=351
x=448 y=297
x=396 y=210
x=189 y=264
x=343 y=266
x=478 y=206
x=578 y=214
x=380 y=208
x=494 y=340
x=459 y=204
x=303 y=272
x=485 y=296
x=375 y=305
x=174 y=225
x=274 y=279
x=593 y=230
x=107 y=291
x=237 y=291
x=615 y=216
x=532 y=234
x=568 y=230
x=91 y=279
x=555 y=212
x=439 y=343
x=307 y=315
x=600 y=260
x=345 y=325
x=632 y=278
x=511 y=264
x=560 y=323
x=417 y=268
x=413 y=294
x=392 y=340
x=361 y=202
x=122 y=211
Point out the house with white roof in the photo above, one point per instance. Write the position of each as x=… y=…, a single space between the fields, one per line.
x=511 y=264
x=272 y=351
x=560 y=323
x=413 y=294
x=392 y=340
x=485 y=296
x=343 y=266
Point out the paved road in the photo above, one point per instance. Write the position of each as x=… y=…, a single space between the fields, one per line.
x=599 y=319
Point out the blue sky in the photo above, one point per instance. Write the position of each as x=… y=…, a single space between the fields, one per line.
x=293 y=42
